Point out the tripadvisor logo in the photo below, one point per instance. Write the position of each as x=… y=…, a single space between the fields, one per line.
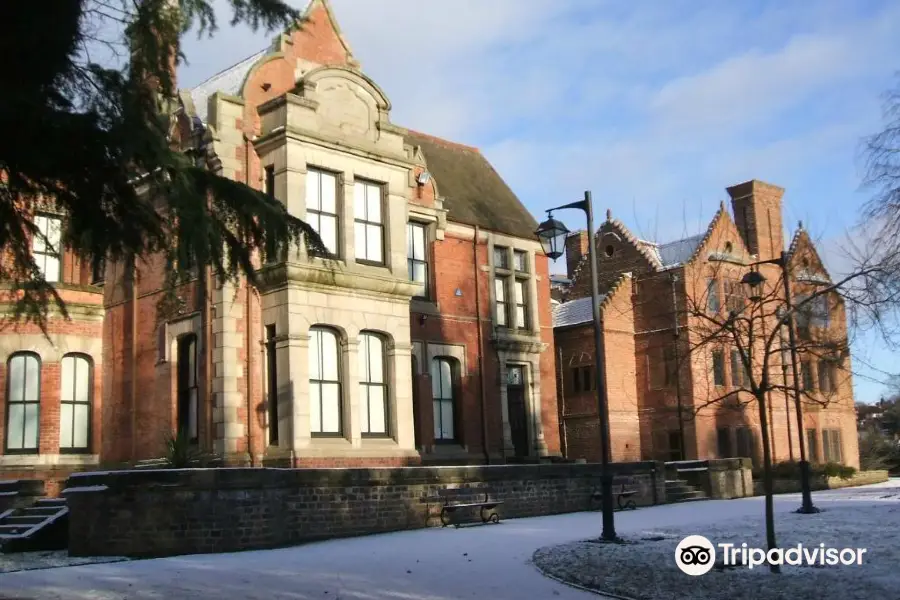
x=696 y=555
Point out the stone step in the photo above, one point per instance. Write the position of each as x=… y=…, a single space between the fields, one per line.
x=676 y=482
x=24 y=519
x=696 y=499
x=51 y=502
x=687 y=495
x=40 y=510
x=14 y=529
x=27 y=531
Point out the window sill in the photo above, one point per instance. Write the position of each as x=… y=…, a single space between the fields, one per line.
x=47 y=460
x=424 y=306
x=371 y=263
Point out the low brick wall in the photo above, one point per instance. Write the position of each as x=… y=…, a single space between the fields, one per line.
x=18 y=493
x=170 y=512
x=820 y=482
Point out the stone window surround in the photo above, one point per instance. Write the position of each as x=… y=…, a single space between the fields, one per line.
x=351 y=439
x=512 y=244
x=532 y=365
x=346 y=181
x=23 y=359
x=425 y=353
x=436 y=220
x=50 y=349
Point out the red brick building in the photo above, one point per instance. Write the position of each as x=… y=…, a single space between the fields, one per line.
x=650 y=291
x=427 y=339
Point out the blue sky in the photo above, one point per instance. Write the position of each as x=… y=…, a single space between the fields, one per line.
x=654 y=106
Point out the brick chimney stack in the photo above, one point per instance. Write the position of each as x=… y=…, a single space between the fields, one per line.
x=576 y=248
x=757 y=214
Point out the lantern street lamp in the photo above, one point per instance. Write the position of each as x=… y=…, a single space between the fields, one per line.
x=553 y=234
x=754 y=280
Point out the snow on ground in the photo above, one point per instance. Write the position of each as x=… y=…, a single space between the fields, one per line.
x=24 y=561
x=645 y=569
x=492 y=561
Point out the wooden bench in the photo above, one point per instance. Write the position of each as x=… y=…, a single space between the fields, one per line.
x=468 y=498
x=623 y=498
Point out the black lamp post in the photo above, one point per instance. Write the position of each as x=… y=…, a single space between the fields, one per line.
x=754 y=280
x=553 y=234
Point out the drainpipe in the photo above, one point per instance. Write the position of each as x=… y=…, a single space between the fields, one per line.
x=247 y=376
x=673 y=278
x=562 y=401
x=484 y=427
x=262 y=360
x=206 y=324
x=134 y=314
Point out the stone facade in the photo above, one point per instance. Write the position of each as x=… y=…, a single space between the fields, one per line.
x=412 y=284
x=164 y=513
x=668 y=284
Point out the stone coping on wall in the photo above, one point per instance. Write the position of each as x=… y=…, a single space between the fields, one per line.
x=266 y=477
x=821 y=482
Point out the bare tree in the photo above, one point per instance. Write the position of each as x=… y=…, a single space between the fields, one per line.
x=734 y=328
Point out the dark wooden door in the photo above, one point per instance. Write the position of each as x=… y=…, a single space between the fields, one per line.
x=518 y=415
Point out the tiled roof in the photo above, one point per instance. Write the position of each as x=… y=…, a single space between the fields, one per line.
x=679 y=251
x=672 y=254
x=473 y=192
x=229 y=81
x=574 y=312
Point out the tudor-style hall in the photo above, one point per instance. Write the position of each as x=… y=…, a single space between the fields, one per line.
x=428 y=339
x=655 y=297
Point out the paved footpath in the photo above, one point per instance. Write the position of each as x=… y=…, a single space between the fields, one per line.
x=490 y=561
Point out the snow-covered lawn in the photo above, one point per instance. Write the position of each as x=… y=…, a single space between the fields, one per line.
x=432 y=564
x=25 y=561
x=645 y=569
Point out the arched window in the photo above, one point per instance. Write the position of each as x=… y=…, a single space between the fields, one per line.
x=373 y=390
x=443 y=390
x=324 y=382
x=23 y=401
x=75 y=403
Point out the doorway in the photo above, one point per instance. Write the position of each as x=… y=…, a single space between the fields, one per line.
x=516 y=407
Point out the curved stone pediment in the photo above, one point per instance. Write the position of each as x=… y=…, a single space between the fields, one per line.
x=348 y=102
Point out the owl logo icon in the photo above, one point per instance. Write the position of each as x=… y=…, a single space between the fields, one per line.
x=695 y=555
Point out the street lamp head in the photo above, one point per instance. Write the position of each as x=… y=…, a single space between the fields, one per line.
x=552 y=234
x=754 y=280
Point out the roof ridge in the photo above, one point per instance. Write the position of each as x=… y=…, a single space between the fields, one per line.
x=654 y=262
x=570 y=305
x=441 y=140
x=796 y=238
x=615 y=288
x=709 y=231
x=229 y=68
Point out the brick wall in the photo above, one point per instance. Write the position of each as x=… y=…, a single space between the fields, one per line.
x=164 y=513
x=579 y=407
